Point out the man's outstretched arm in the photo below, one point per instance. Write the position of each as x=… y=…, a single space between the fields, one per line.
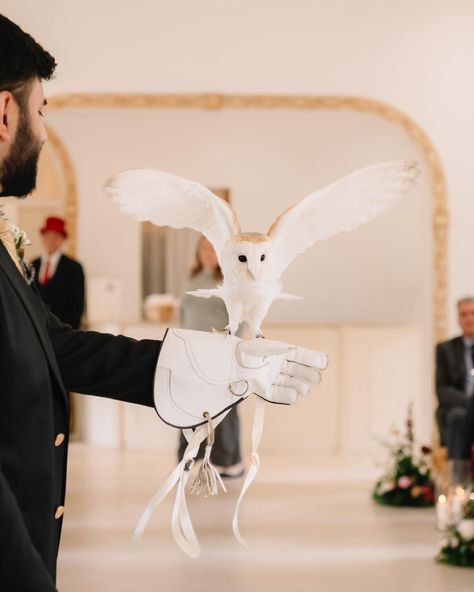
x=189 y=373
x=106 y=365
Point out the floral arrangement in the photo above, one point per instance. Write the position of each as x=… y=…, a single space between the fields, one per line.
x=407 y=480
x=457 y=546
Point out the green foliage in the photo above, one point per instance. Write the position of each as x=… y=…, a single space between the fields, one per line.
x=407 y=480
x=457 y=551
x=469 y=509
x=417 y=490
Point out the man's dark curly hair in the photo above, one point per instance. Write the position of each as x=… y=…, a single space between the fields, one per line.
x=22 y=59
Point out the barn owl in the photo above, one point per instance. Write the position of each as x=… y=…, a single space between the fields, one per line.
x=253 y=263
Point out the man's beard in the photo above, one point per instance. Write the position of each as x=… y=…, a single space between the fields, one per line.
x=19 y=169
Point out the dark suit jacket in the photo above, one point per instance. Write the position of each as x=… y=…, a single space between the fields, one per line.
x=40 y=360
x=450 y=379
x=468 y=434
x=64 y=293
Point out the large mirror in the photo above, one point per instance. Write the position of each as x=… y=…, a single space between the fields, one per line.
x=374 y=297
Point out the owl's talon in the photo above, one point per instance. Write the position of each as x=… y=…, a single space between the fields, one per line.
x=226 y=331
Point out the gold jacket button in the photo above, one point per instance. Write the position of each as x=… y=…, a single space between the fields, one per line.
x=59 y=439
x=59 y=512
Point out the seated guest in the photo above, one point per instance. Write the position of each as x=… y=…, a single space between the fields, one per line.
x=60 y=279
x=467 y=450
x=455 y=381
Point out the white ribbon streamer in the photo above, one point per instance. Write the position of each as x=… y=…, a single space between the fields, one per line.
x=181 y=525
x=257 y=431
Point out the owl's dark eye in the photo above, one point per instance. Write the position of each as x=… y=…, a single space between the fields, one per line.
x=242 y=258
x=262 y=258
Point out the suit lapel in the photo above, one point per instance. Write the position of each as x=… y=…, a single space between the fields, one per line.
x=58 y=272
x=459 y=356
x=37 y=265
x=24 y=292
x=59 y=268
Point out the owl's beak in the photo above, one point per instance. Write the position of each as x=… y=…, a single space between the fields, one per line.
x=253 y=270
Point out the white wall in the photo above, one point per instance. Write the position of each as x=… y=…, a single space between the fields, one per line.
x=414 y=54
x=269 y=160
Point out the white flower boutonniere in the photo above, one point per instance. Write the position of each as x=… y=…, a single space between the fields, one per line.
x=15 y=240
x=21 y=240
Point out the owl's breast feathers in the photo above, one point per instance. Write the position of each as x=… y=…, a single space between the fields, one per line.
x=251 y=293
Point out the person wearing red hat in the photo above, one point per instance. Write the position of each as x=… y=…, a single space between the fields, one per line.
x=59 y=278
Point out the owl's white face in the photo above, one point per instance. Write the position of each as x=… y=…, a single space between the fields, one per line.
x=249 y=261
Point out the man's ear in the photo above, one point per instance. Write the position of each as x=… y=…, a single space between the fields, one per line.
x=6 y=105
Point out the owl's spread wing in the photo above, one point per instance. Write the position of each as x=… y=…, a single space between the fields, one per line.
x=169 y=200
x=341 y=206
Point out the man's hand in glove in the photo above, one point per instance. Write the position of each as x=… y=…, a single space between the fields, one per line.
x=200 y=372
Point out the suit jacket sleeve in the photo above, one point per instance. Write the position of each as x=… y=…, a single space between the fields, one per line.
x=20 y=562
x=448 y=395
x=105 y=365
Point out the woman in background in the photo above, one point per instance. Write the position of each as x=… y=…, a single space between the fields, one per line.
x=206 y=314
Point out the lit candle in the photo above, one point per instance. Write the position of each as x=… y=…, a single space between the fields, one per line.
x=457 y=504
x=442 y=512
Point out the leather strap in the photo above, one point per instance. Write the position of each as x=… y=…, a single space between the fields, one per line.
x=257 y=431
x=181 y=525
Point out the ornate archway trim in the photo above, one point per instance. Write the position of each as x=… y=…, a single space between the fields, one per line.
x=210 y=101
x=70 y=188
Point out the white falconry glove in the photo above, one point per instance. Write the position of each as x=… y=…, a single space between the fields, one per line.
x=200 y=373
x=199 y=377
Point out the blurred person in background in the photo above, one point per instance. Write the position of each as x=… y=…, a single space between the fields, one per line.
x=59 y=278
x=455 y=381
x=206 y=314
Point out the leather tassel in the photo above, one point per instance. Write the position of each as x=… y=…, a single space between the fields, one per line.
x=207 y=480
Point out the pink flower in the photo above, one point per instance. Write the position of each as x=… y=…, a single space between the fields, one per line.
x=404 y=482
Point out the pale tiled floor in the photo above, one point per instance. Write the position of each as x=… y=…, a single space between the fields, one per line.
x=310 y=526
